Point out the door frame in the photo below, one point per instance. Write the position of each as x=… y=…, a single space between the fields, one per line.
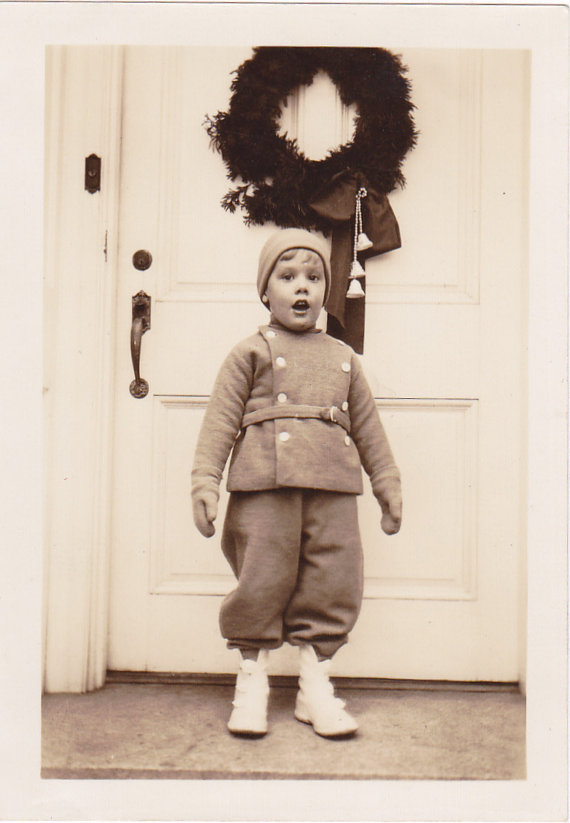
x=81 y=270
x=80 y=277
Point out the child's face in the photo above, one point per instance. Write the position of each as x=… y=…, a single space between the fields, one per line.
x=296 y=289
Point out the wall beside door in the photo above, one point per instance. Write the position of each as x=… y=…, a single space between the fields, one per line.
x=445 y=324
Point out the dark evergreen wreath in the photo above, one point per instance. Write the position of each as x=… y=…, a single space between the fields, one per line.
x=277 y=180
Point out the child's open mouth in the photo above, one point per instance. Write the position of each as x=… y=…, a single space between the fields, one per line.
x=300 y=306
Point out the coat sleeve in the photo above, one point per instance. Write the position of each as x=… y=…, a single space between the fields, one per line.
x=368 y=432
x=222 y=420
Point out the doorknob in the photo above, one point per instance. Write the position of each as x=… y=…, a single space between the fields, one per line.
x=142 y=260
x=140 y=324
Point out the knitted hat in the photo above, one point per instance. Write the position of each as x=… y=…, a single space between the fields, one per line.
x=291 y=239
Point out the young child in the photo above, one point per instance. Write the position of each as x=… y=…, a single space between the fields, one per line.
x=293 y=406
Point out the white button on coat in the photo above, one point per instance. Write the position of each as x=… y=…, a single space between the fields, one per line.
x=271 y=333
x=345 y=367
x=282 y=397
x=345 y=405
x=280 y=361
x=347 y=440
x=284 y=436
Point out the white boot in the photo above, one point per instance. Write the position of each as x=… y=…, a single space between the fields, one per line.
x=316 y=702
x=250 y=700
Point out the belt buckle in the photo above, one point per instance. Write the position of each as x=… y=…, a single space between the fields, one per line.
x=332 y=412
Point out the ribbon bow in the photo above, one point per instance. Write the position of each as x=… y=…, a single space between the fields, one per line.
x=337 y=202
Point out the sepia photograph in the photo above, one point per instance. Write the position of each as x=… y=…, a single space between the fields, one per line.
x=301 y=482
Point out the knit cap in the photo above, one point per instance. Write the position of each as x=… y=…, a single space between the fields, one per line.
x=291 y=239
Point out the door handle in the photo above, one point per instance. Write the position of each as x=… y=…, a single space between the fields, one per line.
x=140 y=324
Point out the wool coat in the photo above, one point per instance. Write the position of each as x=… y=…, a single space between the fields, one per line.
x=321 y=421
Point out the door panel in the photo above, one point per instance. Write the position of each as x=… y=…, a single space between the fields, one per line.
x=444 y=355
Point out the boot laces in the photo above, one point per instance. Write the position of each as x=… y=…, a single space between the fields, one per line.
x=325 y=694
x=250 y=687
x=323 y=690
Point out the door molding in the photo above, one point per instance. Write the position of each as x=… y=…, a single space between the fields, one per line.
x=456 y=579
x=83 y=116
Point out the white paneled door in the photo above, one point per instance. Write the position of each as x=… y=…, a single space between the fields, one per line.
x=444 y=354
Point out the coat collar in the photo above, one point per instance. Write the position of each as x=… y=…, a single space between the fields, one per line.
x=275 y=324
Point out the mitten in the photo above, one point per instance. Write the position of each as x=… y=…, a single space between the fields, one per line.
x=388 y=492
x=205 y=510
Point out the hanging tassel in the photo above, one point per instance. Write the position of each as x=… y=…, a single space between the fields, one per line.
x=355 y=290
x=361 y=242
x=356 y=270
x=364 y=242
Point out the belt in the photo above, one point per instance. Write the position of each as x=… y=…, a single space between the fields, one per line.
x=332 y=414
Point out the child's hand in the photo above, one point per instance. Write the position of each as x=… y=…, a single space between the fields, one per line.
x=389 y=495
x=205 y=509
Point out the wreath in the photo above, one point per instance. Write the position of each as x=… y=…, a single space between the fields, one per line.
x=275 y=181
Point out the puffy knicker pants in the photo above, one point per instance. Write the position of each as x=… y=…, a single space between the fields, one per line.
x=297 y=556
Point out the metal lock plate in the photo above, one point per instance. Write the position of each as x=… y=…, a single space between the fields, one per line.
x=92 y=173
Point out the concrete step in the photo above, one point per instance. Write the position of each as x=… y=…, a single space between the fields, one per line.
x=178 y=731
